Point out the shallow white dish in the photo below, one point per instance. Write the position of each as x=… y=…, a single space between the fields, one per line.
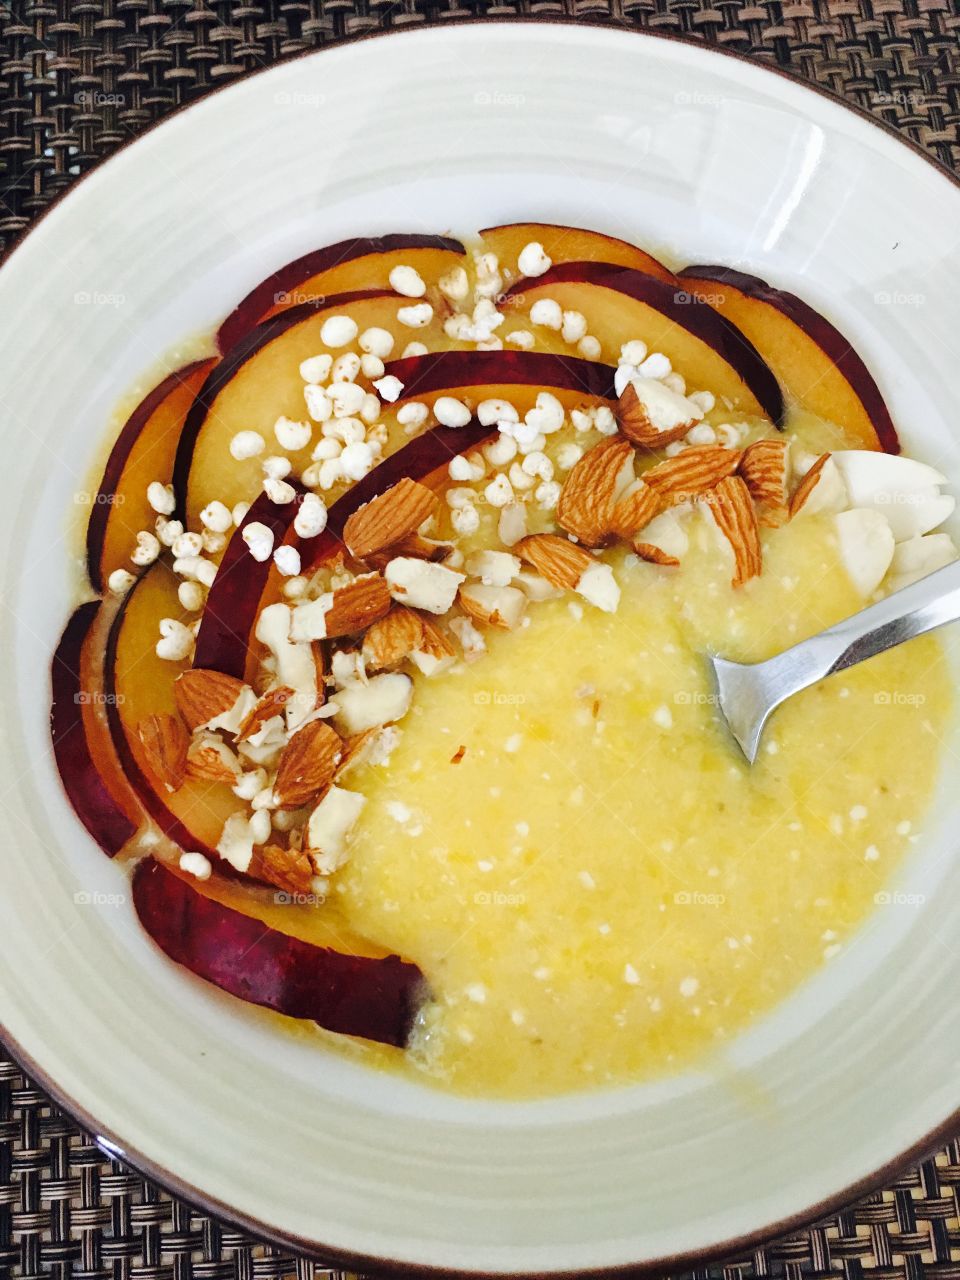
x=683 y=151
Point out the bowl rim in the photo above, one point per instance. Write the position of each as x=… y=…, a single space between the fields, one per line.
x=112 y=1144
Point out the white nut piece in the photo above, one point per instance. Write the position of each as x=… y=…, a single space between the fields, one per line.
x=450 y=412
x=292 y=435
x=547 y=313
x=337 y=331
x=161 y=497
x=407 y=281
x=389 y=388
x=376 y=342
x=246 y=444
x=416 y=317
x=259 y=540
x=311 y=518
x=316 y=368
x=421 y=584
x=216 y=517
x=866 y=547
x=382 y=699
x=533 y=260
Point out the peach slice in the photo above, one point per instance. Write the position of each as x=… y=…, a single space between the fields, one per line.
x=815 y=364
x=621 y=304
x=362 y=263
x=257 y=382
x=140 y=684
x=73 y=728
x=143 y=452
x=355 y=995
x=568 y=244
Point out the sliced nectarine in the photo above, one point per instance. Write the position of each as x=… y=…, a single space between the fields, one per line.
x=361 y=263
x=73 y=709
x=258 y=381
x=817 y=367
x=621 y=304
x=356 y=995
x=143 y=452
x=568 y=244
x=140 y=684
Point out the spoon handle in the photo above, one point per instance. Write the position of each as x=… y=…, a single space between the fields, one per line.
x=750 y=692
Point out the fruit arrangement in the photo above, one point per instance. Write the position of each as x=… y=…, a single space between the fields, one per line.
x=263 y=614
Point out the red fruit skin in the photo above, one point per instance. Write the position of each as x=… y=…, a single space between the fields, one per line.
x=236 y=358
x=230 y=613
x=85 y=788
x=113 y=471
x=827 y=337
x=377 y=999
x=258 y=302
x=697 y=317
x=440 y=370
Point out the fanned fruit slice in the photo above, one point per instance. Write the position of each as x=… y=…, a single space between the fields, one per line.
x=91 y=776
x=139 y=688
x=817 y=367
x=361 y=263
x=619 y=303
x=259 y=381
x=144 y=451
x=568 y=244
x=516 y=376
x=376 y=997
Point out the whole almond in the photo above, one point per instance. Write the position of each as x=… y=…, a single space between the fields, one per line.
x=165 y=741
x=308 y=764
x=389 y=518
x=357 y=606
x=591 y=490
x=692 y=472
x=392 y=638
x=736 y=518
x=637 y=427
x=201 y=694
x=557 y=559
x=764 y=469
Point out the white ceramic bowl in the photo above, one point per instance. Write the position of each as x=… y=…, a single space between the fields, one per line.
x=678 y=148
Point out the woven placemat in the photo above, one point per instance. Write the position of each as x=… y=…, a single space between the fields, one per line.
x=80 y=77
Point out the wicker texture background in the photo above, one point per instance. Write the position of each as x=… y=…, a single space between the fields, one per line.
x=80 y=77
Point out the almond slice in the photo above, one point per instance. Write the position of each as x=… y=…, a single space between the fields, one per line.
x=655 y=555
x=636 y=508
x=288 y=869
x=592 y=489
x=801 y=495
x=493 y=606
x=389 y=518
x=354 y=607
x=271 y=704
x=651 y=415
x=392 y=638
x=560 y=561
x=692 y=472
x=434 y=643
x=415 y=545
x=763 y=467
x=308 y=764
x=165 y=741
x=201 y=695
x=736 y=518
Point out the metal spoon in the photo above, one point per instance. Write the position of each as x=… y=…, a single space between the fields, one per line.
x=749 y=692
